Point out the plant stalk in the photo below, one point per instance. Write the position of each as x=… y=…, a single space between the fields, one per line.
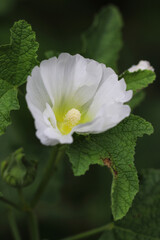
x=10 y=203
x=57 y=155
x=33 y=226
x=13 y=225
x=89 y=233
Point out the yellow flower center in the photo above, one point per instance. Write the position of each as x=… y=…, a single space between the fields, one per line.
x=70 y=120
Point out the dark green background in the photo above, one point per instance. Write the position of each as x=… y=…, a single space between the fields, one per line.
x=74 y=204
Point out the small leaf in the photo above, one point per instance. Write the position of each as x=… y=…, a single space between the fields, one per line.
x=103 y=40
x=114 y=148
x=143 y=219
x=138 y=80
x=8 y=102
x=19 y=57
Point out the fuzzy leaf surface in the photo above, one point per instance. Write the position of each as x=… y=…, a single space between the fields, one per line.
x=103 y=41
x=114 y=148
x=19 y=57
x=143 y=219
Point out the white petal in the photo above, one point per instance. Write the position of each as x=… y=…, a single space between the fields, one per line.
x=110 y=92
x=66 y=76
x=37 y=95
x=106 y=118
x=48 y=132
x=49 y=117
x=51 y=136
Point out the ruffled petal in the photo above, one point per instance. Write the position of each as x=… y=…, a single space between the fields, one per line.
x=36 y=96
x=67 y=77
x=110 y=91
x=106 y=118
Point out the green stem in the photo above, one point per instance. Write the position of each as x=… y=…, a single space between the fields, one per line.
x=24 y=205
x=13 y=226
x=33 y=226
x=21 y=197
x=10 y=203
x=58 y=153
x=32 y=219
x=91 y=232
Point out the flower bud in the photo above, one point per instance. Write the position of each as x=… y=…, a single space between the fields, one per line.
x=17 y=171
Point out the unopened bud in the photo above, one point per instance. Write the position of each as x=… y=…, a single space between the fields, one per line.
x=17 y=171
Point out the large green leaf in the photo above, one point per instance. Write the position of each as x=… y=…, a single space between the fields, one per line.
x=102 y=41
x=8 y=102
x=114 y=148
x=19 y=57
x=143 y=220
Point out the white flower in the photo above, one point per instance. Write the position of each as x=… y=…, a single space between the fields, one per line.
x=72 y=94
x=142 y=65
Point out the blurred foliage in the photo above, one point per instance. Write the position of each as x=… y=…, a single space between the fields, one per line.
x=103 y=40
x=74 y=204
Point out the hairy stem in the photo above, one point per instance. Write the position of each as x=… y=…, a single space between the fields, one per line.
x=33 y=225
x=57 y=155
x=91 y=232
x=13 y=225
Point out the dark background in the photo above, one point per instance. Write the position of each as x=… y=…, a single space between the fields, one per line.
x=74 y=204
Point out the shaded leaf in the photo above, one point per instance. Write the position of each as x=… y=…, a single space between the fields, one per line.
x=143 y=220
x=102 y=41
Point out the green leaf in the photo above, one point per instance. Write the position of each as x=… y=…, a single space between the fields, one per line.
x=143 y=220
x=19 y=57
x=138 y=80
x=115 y=149
x=102 y=41
x=16 y=62
x=8 y=102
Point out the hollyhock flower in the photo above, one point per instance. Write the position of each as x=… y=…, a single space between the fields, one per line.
x=73 y=94
x=142 y=65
